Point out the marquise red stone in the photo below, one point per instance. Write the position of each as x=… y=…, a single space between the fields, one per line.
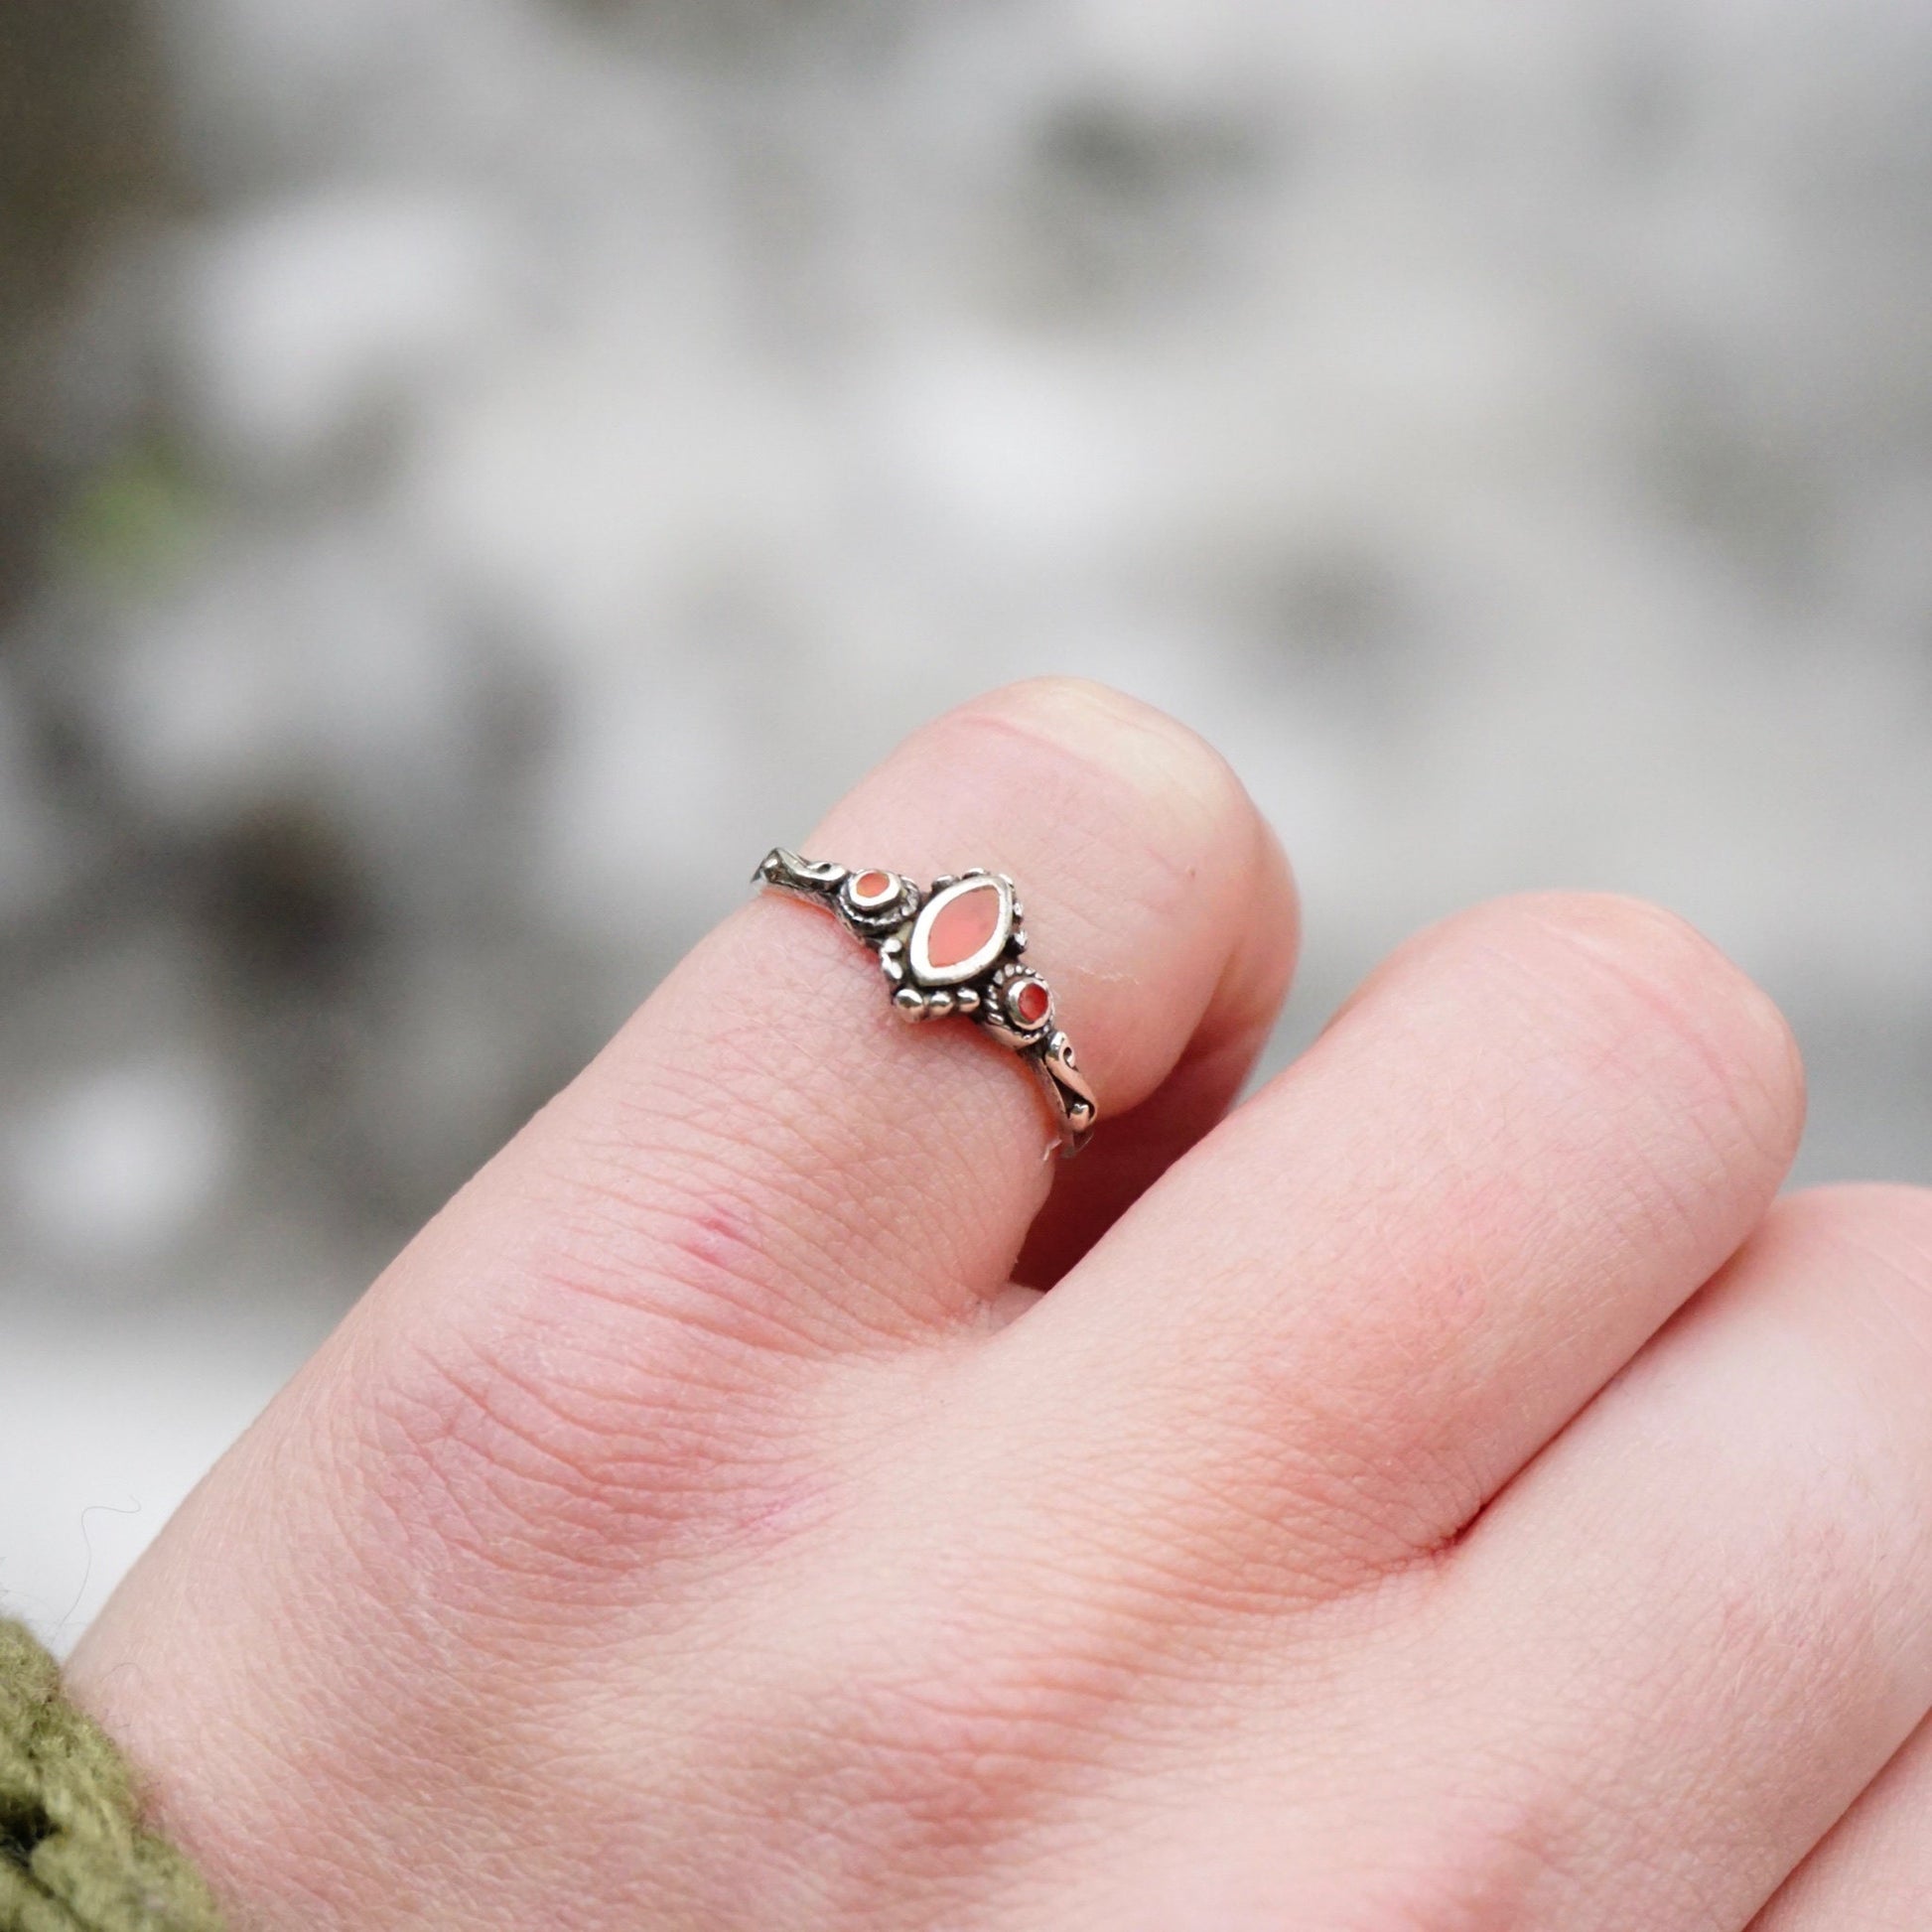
x=1029 y=1003
x=963 y=925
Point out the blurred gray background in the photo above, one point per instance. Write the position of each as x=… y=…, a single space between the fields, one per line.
x=475 y=472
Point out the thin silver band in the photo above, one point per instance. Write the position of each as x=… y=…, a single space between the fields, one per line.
x=952 y=947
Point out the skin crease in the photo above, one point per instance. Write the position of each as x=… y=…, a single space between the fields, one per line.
x=1447 y=1495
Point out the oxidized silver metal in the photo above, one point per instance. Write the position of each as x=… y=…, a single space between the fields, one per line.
x=990 y=984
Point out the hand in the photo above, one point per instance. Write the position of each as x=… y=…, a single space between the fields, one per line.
x=1381 y=1525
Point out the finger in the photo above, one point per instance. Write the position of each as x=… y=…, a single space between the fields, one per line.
x=1157 y=907
x=1702 y=1623
x=1874 y=1873
x=1341 y=1323
x=1117 y=1168
x=767 y=1156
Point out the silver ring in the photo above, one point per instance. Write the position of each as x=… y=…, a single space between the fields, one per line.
x=952 y=947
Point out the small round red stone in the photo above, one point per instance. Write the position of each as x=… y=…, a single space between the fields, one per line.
x=1031 y=1001
x=871 y=884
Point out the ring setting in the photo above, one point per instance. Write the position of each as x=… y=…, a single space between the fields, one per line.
x=953 y=947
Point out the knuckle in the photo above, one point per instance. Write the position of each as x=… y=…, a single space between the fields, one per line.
x=950 y=1720
x=942 y=1764
x=554 y=1451
x=1459 y=1861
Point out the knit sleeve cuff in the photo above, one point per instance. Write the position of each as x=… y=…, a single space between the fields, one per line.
x=74 y=1855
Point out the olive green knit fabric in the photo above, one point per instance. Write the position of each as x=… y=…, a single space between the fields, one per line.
x=74 y=1853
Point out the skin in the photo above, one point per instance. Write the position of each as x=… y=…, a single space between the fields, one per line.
x=1450 y=1493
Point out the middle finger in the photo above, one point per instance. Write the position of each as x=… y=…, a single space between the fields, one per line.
x=1370 y=1297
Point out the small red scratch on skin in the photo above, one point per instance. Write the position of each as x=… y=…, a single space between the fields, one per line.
x=741 y=1273
x=776 y=1517
x=720 y=1237
x=723 y=1244
x=716 y=1256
